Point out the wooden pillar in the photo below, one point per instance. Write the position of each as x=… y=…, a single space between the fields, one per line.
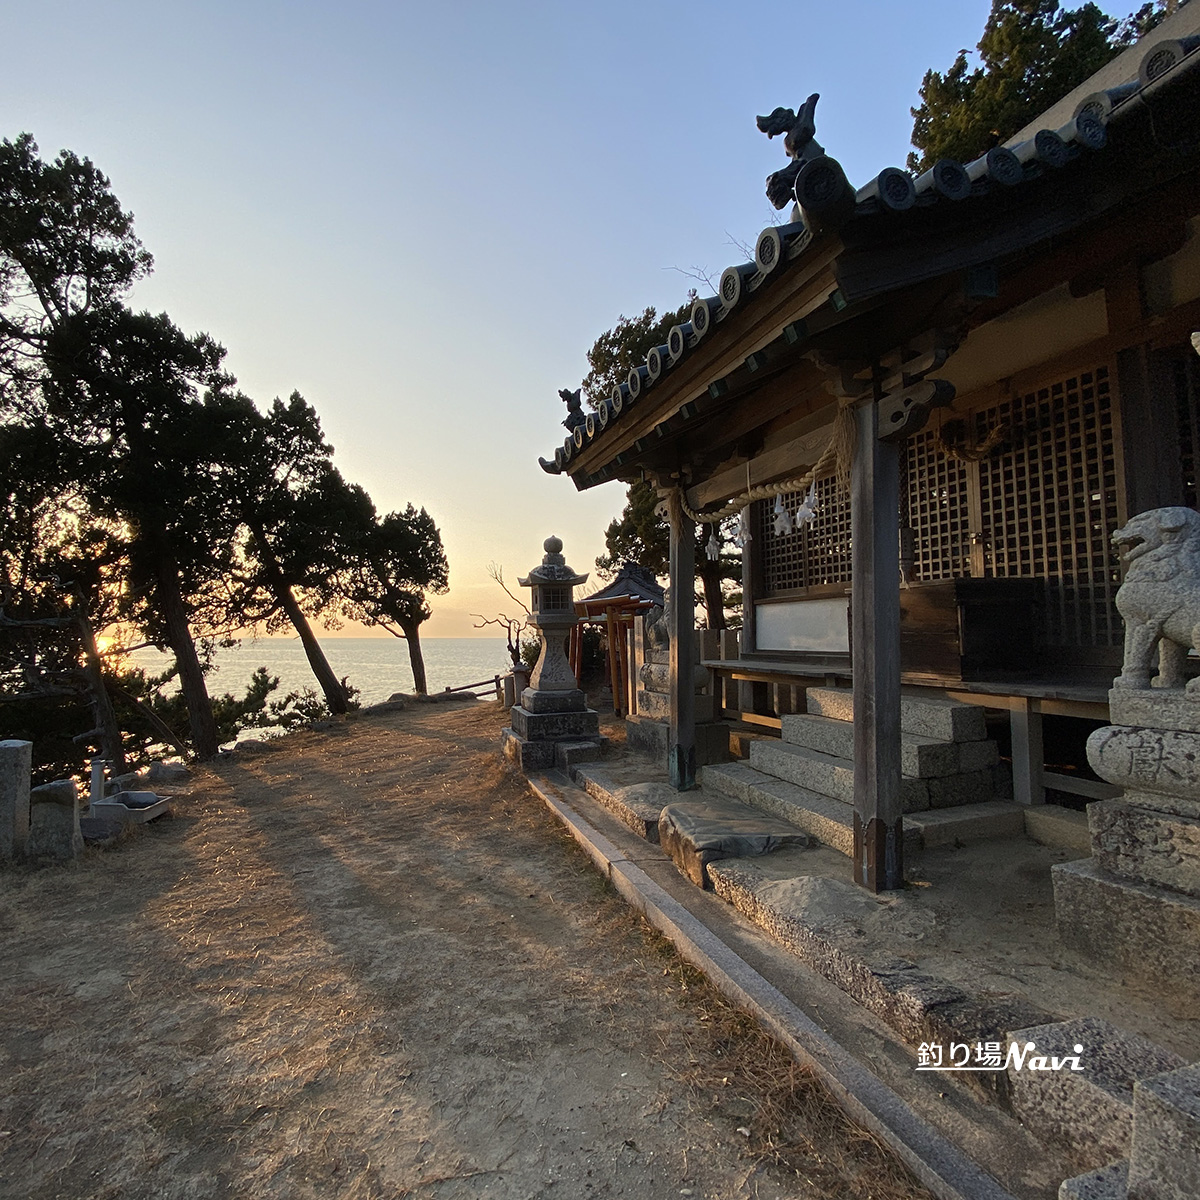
x=614 y=660
x=1028 y=756
x=1150 y=429
x=681 y=752
x=875 y=528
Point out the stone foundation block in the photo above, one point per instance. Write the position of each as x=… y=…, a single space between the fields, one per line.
x=637 y=805
x=1165 y=1162
x=1104 y=1183
x=570 y=754
x=54 y=833
x=16 y=760
x=1144 y=844
x=656 y=706
x=932 y=716
x=972 y=787
x=978 y=756
x=647 y=737
x=555 y=726
x=526 y=755
x=1154 y=708
x=920 y=757
x=534 y=700
x=1053 y=825
x=1089 y=1112
x=650 y=738
x=656 y=677
x=1145 y=929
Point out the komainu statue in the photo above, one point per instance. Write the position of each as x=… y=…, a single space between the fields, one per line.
x=1160 y=598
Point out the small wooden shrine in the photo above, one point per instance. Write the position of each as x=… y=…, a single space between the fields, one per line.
x=613 y=609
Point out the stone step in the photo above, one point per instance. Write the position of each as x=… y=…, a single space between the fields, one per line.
x=637 y=804
x=1089 y=1111
x=921 y=757
x=829 y=821
x=834 y=776
x=929 y=716
x=704 y=828
x=832 y=822
x=826 y=773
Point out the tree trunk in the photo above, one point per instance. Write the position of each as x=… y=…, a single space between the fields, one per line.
x=191 y=678
x=111 y=745
x=331 y=686
x=164 y=731
x=714 y=599
x=412 y=635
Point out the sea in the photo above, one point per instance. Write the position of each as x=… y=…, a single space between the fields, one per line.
x=378 y=667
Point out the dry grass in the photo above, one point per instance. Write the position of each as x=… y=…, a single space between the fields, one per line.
x=735 y=1070
x=367 y=965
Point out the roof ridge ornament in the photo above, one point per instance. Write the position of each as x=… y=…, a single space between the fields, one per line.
x=799 y=143
x=816 y=182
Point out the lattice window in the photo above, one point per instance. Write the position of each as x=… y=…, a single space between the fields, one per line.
x=1187 y=392
x=817 y=554
x=1049 y=504
x=934 y=487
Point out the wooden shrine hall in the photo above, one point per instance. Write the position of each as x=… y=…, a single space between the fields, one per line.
x=963 y=383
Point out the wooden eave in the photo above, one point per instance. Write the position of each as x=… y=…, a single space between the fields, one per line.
x=802 y=288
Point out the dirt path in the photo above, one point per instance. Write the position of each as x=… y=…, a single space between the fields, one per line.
x=366 y=963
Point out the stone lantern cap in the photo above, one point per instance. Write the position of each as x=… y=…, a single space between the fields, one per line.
x=553 y=568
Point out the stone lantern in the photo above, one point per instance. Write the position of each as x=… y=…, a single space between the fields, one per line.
x=551 y=724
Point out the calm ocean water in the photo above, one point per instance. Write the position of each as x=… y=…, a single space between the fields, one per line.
x=376 y=666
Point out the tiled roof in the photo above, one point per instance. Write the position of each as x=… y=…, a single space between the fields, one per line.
x=904 y=203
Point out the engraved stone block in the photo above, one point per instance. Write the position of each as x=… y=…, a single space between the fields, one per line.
x=1162 y=761
x=1138 y=842
x=15 y=761
x=54 y=832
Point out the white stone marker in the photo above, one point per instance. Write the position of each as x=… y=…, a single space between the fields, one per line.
x=16 y=762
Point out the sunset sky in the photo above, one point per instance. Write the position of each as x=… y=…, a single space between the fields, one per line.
x=422 y=215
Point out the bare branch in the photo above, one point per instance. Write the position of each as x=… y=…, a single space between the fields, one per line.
x=699 y=274
x=496 y=571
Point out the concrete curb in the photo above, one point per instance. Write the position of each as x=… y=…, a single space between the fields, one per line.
x=937 y=1163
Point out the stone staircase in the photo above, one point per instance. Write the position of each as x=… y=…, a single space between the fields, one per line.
x=948 y=767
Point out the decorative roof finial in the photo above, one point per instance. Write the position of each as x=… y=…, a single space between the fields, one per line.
x=799 y=142
x=575 y=416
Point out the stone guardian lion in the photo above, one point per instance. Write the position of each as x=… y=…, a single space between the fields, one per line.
x=1160 y=598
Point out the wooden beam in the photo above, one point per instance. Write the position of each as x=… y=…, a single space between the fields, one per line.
x=681 y=747
x=767 y=467
x=875 y=605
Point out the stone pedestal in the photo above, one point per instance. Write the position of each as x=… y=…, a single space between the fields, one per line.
x=16 y=760
x=54 y=833
x=552 y=724
x=1136 y=901
x=648 y=731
